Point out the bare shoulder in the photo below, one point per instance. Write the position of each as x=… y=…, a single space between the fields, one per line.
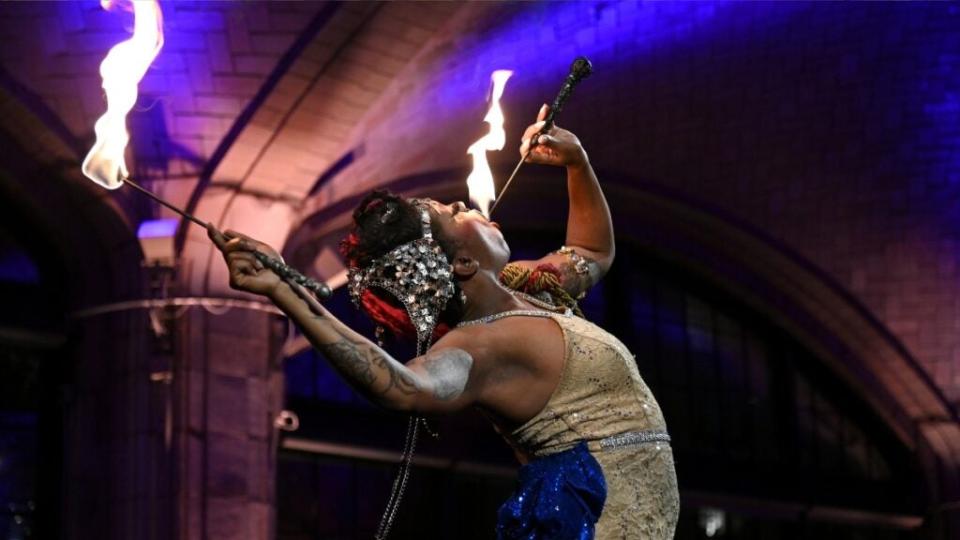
x=503 y=340
x=519 y=359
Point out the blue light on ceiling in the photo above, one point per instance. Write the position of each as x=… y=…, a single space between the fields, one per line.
x=542 y=39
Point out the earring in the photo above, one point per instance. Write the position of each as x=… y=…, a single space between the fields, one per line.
x=378 y=333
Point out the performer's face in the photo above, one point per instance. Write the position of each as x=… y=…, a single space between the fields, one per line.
x=474 y=235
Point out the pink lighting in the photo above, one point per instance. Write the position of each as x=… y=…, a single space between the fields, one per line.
x=122 y=69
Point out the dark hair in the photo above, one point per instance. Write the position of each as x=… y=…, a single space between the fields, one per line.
x=381 y=222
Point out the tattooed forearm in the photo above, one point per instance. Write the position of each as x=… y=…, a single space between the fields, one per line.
x=400 y=378
x=363 y=365
x=351 y=361
x=366 y=367
x=378 y=376
x=449 y=370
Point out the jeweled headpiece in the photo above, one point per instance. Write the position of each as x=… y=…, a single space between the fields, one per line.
x=416 y=273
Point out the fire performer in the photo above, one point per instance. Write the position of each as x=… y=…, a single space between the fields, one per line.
x=505 y=338
x=509 y=340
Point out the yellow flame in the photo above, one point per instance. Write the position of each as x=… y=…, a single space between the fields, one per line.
x=122 y=69
x=480 y=182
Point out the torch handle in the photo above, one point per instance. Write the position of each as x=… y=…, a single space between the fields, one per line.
x=579 y=70
x=290 y=274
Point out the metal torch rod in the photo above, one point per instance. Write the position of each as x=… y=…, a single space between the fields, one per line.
x=150 y=194
x=579 y=70
x=285 y=271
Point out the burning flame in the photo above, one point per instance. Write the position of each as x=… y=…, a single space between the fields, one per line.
x=480 y=181
x=122 y=69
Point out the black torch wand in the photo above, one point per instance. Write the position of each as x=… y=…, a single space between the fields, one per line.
x=285 y=271
x=579 y=70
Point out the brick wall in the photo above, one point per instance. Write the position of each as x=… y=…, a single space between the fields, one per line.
x=833 y=128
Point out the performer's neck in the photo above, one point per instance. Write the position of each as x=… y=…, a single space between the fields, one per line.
x=487 y=296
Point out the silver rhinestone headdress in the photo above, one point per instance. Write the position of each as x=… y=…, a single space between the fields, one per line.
x=417 y=274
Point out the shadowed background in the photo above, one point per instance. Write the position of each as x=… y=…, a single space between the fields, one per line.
x=785 y=185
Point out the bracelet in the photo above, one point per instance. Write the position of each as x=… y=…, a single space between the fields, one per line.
x=580 y=264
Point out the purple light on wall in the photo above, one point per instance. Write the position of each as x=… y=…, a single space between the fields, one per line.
x=542 y=39
x=158 y=228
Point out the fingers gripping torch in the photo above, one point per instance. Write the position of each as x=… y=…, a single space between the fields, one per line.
x=579 y=70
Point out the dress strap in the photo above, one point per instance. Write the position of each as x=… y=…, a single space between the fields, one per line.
x=514 y=313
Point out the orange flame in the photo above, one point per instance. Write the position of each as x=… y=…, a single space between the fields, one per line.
x=480 y=182
x=124 y=67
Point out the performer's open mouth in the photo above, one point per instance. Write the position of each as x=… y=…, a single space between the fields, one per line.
x=485 y=218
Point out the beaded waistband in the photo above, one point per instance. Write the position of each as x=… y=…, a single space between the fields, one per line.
x=633 y=438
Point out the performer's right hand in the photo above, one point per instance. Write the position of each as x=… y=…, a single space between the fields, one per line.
x=555 y=147
x=246 y=272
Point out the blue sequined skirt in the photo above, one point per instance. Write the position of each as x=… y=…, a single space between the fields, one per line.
x=558 y=497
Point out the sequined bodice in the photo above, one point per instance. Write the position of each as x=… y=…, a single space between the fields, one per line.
x=602 y=400
x=600 y=394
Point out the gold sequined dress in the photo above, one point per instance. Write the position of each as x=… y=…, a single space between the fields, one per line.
x=601 y=399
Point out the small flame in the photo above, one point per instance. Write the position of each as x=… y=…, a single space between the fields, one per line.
x=480 y=182
x=122 y=69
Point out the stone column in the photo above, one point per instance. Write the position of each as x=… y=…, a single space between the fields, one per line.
x=229 y=379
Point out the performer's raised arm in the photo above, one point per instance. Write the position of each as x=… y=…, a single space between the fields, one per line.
x=442 y=380
x=589 y=249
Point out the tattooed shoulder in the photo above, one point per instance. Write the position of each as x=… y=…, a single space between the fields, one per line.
x=449 y=369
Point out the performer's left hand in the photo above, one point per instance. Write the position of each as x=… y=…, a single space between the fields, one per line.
x=555 y=147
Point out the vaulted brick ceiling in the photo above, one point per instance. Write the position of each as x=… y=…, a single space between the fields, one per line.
x=307 y=117
x=247 y=105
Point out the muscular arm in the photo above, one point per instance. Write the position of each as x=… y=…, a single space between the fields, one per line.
x=589 y=225
x=445 y=379
x=439 y=381
x=589 y=233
